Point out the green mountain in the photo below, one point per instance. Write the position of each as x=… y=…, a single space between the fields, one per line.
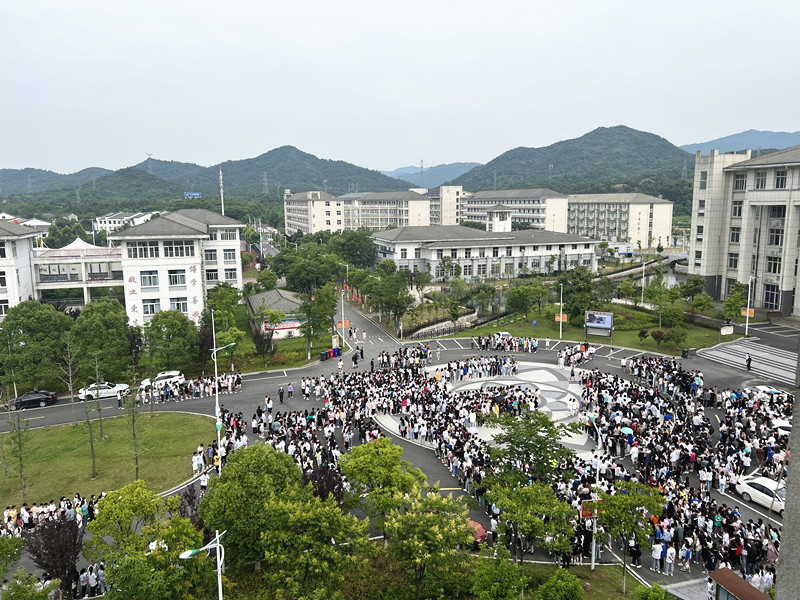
x=23 y=181
x=269 y=174
x=607 y=159
x=752 y=139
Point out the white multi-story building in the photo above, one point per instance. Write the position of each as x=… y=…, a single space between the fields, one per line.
x=16 y=266
x=745 y=223
x=498 y=252
x=170 y=262
x=538 y=208
x=644 y=221
x=446 y=205
x=310 y=212
x=115 y=221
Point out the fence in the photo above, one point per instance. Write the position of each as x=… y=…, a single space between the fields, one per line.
x=451 y=328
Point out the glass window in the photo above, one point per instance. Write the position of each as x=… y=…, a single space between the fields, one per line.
x=776 y=237
x=2 y=279
x=780 y=179
x=403 y=253
x=417 y=253
x=482 y=252
x=150 y=307
x=777 y=212
x=739 y=182
x=508 y=250
x=228 y=234
x=142 y=249
x=733 y=260
x=440 y=254
x=178 y=249
x=3 y=250
x=703 y=180
x=179 y=304
x=774 y=264
x=210 y=256
x=736 y=233
x=761 y=180
x=149 y=278
x=467 y=252
x=230 y=274
x=771 y=297
x=495 y=252
x=212 y=275
x=229 y=255
x=177 y=277
x=3 y=307
x=736 y=208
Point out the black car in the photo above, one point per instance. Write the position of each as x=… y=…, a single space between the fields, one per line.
x=30 y=399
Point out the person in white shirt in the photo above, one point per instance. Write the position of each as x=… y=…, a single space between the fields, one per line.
x=669 y=561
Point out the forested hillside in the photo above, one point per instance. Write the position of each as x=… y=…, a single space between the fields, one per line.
x=607 y=159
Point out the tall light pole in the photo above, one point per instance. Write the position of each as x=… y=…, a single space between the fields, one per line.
x=644 y=266
x=561 y=313
x=342 y=320
x=217 y=544
x=217 y=412
x=747 y=315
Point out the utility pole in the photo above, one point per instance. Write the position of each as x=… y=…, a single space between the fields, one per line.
x=221 y=192
x=561 y=314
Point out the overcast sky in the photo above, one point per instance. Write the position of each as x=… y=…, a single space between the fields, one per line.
x=380 y=84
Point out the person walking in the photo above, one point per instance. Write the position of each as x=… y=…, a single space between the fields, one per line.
x=280 y=394
x=748 y=361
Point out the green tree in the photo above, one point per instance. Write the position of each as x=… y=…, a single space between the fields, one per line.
x=495 y=577
x=702 y=302
x=223 y=300
x=309 y=544
x=101 y=334
x=675 y=336
x=267 y=279
x=657 y=592
x=153 y=570
x=736 y=300
x=426 y=532
x=694 y=285
x=672 y=315
x=121 y=518
x=10 y=551
x=579 y=294
x=604 y=289
x=18 y=429
x=627 y=289
x=540 y=293
x=250 y=235
x=234 y=502
x=35 y=333
x=24 y=586
x=172 y=339
x=379 y=478
x=561 y=586
x=655 y=293
x=621 y=513
x=518 y=300
x=422 y=279
x=535 y=511
x=318 y=310
x=533 y=439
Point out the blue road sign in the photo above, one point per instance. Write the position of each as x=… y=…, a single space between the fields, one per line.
x=535 y=322
x=192 y=195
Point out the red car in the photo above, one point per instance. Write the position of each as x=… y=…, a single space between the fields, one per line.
x=480 y=533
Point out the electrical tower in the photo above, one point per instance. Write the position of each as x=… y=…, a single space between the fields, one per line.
x=421 y=173
x=265 y=181
x=221 y=193
x=149 y=162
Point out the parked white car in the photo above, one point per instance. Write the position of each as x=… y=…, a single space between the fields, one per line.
x=762 y=490
x=162 y=379
x=101 y=390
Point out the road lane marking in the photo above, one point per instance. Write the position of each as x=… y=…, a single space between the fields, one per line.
x=459 y=345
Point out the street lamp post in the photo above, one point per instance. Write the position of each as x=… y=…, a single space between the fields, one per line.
x=217 y=412
x=217 y=544
x=347 y=281
x=644 y=265
x=561 y=313
x=747 y=315
x=343 y=320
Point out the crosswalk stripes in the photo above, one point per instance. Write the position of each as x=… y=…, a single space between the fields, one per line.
x=770 y=363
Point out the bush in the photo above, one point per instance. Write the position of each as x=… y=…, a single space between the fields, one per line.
x=672 y=315
x=676 y=336
x=657 y=336
x=561 y=586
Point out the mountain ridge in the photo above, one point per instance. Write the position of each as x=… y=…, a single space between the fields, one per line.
x=431 y=177
x=752 y=139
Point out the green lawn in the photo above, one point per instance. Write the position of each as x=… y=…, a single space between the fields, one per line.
x=58 y=462
x=698 y=337
x=604 y=583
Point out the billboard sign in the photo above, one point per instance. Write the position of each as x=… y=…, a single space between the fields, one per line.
x=599 y=323
x=726 y=330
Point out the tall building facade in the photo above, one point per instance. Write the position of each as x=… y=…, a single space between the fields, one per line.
x=746 y=225
x=643 y=220
x=538 y=208
x=310 y=212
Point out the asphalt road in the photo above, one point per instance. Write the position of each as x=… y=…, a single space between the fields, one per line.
x=257 y=385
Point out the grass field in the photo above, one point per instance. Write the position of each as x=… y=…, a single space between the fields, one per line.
x=58 y=462
x=604 y=583
x=698 y=337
